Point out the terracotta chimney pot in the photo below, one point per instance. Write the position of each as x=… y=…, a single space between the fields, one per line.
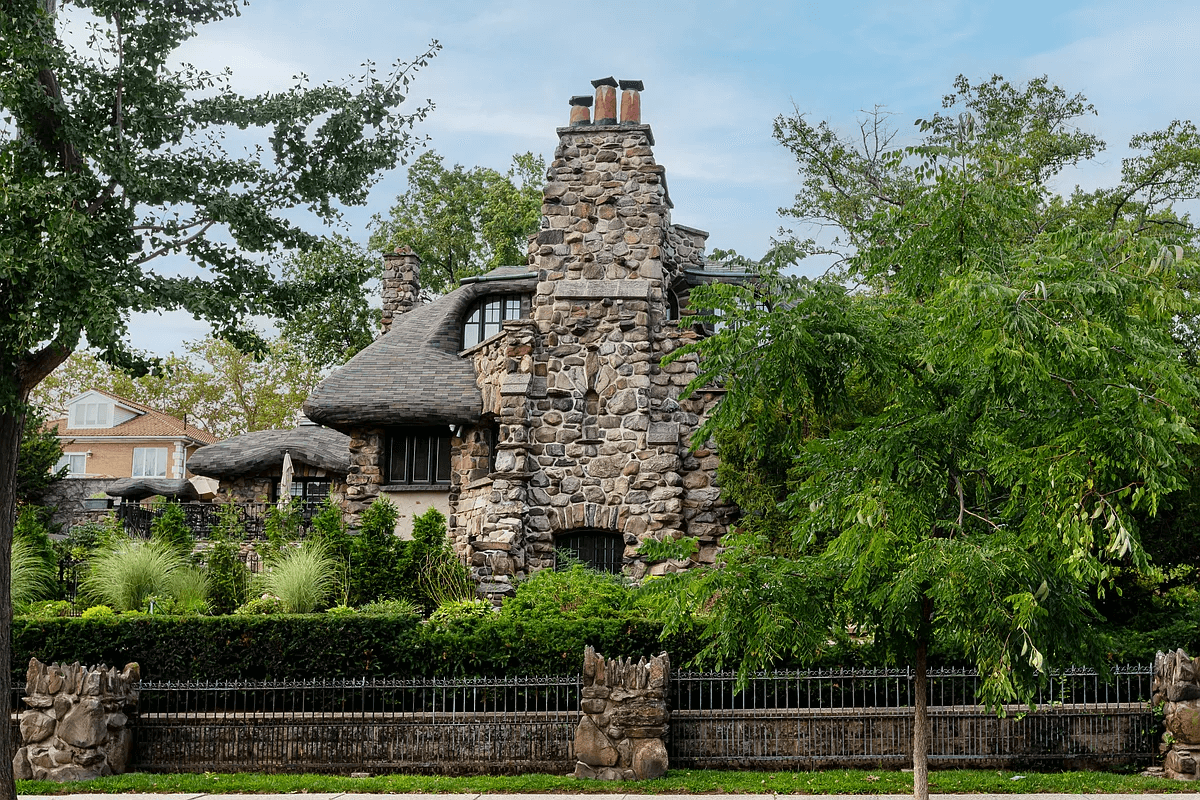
x=606 y=101
x=631 y=102
x=579 y=109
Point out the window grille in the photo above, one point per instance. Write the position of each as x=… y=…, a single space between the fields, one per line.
x=603 y=551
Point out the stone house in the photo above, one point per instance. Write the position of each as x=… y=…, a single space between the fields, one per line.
x=531 y=404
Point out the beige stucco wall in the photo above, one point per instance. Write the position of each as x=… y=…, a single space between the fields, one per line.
x=411 y=504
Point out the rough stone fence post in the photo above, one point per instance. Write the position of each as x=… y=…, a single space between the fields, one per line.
x=76 y=726
x=625 y=719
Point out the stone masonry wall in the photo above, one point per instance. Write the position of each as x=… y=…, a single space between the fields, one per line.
x=75 y=726
x=1176 y=686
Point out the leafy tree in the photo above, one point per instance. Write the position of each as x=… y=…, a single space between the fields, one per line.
x=460 y=221
x=972 y=430
x=37 y=459
x=111 y=156
x=333 y=318
x=215 y=385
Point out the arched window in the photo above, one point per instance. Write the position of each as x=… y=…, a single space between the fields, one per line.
x=603 y=551
x=486 y=317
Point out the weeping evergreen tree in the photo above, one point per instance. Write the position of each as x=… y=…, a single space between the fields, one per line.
x=971 y=429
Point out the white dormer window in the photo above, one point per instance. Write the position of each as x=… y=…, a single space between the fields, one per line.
x=91 y=415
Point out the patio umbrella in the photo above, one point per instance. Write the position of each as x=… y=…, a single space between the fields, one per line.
x=285 y=481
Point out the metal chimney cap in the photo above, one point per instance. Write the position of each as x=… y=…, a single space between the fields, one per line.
x=637 y=86
x=609 y=81
x=581 y=100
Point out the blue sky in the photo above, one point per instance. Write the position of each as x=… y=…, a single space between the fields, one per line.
x=716 y=74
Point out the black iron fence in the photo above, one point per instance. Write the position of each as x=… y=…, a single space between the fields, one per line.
x=865 y=718
x=803 y=719
x=200 y=518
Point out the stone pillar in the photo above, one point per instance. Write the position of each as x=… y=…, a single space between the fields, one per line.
x=401 y=284
x=1176 y=686
x=76 y=726
x=621 y=733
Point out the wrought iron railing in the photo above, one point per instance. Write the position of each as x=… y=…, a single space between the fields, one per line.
x=895 y=688
x=201 y=518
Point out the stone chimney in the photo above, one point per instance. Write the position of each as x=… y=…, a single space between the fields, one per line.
x=401 y=284
x=579 y=110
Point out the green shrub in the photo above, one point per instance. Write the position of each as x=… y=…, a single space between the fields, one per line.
x=282 y=526
x=170 y=529
x=374 y=555
x=302 y=578
x=453 y=611
x=31 y=576
x=573 y=593
x=267 y=604
x=128 y=573
x=291 y=646
x=98 y=612
x=229 y=525
x=48 y=609
x=228 y=578
x=341 y=610
x=84 y=539
x=187 y=591
x=400 y=608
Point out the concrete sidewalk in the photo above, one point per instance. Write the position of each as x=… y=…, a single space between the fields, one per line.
x=549 y=796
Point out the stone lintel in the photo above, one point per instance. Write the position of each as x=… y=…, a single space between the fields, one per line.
x=663 y=433
x=516 y=383
x=626 y=289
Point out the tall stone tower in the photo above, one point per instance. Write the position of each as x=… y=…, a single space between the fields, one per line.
x=592 y=437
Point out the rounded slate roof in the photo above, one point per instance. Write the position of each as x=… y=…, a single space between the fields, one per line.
x=413 y=375
x=260 y=451
x=141 y=488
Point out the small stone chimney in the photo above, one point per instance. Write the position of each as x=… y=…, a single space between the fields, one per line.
x=580 y=115
x=631 y=102
x=401 y=284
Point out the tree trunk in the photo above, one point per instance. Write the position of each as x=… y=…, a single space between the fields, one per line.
x=921 y=710
x=10 y=447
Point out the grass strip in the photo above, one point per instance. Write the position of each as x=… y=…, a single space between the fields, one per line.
x=678 y=781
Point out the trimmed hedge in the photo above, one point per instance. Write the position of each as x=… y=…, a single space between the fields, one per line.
x=316 y=646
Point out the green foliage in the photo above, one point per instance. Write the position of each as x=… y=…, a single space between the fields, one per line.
x=267 y=604
x=32 y=576
x=573 y=593
x=187 y=592
x=39 y=453
x=126 y=574
x=681 y=549
x=98 y=613
x=430 y=571
x=48 y=609
x=463 y=222
x=229 y=525
x=282 y=527
x=374 y=555
x=332 y=318
x=87 y=538
x=292 y=646
x=396 y=608
x=303 y=578
x=227 y=577
x=453 y=612
x=170 y=529
x=328 y=529
x=961 y=448
x=31 y=532
x=341 y=610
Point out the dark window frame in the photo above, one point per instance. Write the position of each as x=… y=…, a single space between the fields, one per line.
x=598 y=548
x=489 y=314
x=420 y=456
